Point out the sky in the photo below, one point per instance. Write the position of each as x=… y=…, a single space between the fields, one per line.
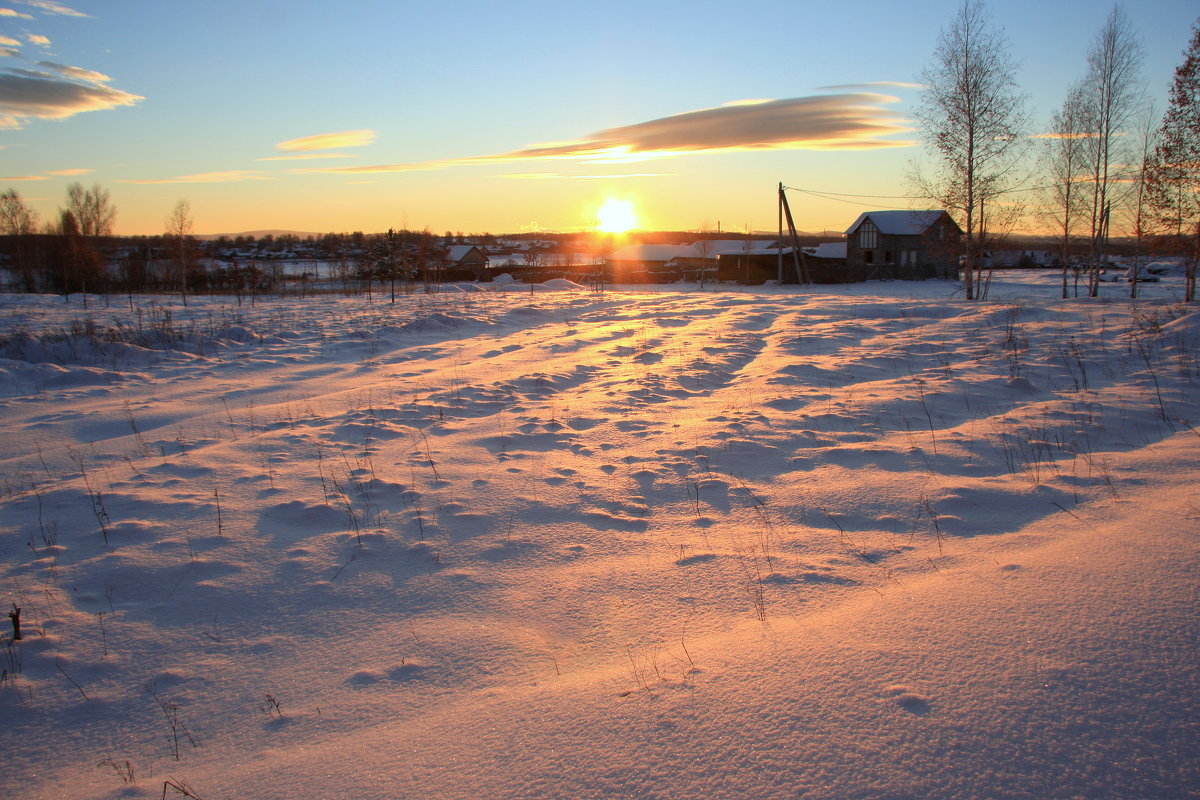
x=488 y=117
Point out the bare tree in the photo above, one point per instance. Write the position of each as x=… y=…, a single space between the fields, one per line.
x=1174 y=185
x=79 y=267
x=19 y=222
x=1113 y=92
x=972 y=115
x=92 y=209
x=179 y=239
x=1064 y=161
x=16 y=218
x=1141 y=220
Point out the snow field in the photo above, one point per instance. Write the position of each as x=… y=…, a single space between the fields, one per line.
x=870 y=542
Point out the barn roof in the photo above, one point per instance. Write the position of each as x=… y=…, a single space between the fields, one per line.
x=898 y=223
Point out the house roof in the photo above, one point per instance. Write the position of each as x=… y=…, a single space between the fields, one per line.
x=458 y=252
x=720 y=247
x=654 y=252
x=711 y=248
x=898 y=223
x=827 y=250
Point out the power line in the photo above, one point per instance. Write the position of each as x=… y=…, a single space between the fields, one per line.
x=823 y=193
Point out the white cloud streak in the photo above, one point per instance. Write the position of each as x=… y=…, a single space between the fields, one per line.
x=327 y=141
x=227 y=176
x=851 y=121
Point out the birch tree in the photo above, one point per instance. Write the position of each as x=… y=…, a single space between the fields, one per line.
x=19 y=222
x=1064 y=160
x=92 y=208
x=179 y=237
x=972 y=116
x=1141 y=222
x=16 y=218
x=1113 y=92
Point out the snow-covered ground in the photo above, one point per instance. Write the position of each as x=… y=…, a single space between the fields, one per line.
x=864 y=541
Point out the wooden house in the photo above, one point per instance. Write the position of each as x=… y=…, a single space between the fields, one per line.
x=464 y=262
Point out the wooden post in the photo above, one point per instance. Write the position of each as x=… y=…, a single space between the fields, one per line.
x=779 y=241
x=15 y=616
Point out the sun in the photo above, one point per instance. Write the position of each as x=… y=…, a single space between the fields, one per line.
x=616 y=216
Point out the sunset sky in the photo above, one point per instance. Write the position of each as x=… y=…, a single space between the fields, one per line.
x=484 y=116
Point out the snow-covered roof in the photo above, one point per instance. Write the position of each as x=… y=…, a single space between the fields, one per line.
x=707 y=248
x=827 y=250
x=759 y=250
x=458 y=252
x=898 y=223
x=654 y=252
x=720 y=247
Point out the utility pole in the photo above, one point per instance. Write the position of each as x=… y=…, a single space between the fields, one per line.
x=779 y=241
x=797 y=255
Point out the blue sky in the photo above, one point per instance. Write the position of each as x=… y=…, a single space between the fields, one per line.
x=451 y=105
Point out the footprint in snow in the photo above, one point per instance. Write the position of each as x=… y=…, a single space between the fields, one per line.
x=913 y=703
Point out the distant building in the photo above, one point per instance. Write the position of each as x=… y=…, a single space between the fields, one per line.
x=667 y=263
x=904 y=244
x=464 y=262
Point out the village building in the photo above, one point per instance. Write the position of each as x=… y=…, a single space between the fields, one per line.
x=464 y=262
x=904 y=244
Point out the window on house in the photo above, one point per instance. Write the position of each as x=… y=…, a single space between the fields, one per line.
x=887 y=256
x=868 y=256
x=868 y=235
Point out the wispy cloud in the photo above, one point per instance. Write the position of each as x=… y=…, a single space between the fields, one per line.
x=560 y=176
x=306 y=156
x=66 y=173
x=852 y=121
x=75 y=73
x=1064 y=136
x=24 y=178
x=870 y=85
x=228 y=176
x=9 y=52
x=50 y=7
x=13 y=13
x=8 y=40
x=327 y=141
x=38 y=39
x=55 y=91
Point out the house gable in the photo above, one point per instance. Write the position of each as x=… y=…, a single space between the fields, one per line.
x=904 y=244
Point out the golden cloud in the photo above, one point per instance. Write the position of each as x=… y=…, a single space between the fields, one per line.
x=38 y=39
x=327 y=141
x=66 y=173
x=1064 y=136
x=76 y=73
x=8 y=12
x=560 y=176
x=853 y=121
x=306 y=156
x=51 y=7
x=228 y=176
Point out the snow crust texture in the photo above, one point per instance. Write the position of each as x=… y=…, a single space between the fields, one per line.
x=863 y=542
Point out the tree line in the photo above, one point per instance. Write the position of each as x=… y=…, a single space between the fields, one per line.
x=1108 y=161
x=77 y=252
